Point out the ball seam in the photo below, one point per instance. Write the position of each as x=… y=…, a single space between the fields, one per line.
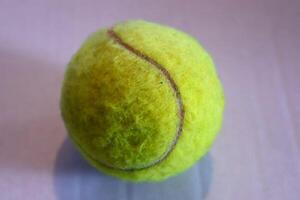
x=181 y=112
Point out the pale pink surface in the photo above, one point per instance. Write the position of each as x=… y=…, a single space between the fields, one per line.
x=256 y=48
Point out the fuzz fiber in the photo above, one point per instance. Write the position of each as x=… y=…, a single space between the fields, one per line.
x=124 y=113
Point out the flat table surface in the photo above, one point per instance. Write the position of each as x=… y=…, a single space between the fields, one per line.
x=255 y=45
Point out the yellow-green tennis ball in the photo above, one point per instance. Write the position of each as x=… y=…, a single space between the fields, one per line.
x=142 y=101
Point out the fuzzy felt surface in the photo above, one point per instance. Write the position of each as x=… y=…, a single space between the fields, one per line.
x=122 y=111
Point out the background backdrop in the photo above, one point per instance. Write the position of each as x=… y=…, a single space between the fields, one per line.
x=256 y=48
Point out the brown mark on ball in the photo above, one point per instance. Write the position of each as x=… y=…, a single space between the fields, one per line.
x=117 y=39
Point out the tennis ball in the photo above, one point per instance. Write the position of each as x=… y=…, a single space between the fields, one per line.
x=142 y=101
